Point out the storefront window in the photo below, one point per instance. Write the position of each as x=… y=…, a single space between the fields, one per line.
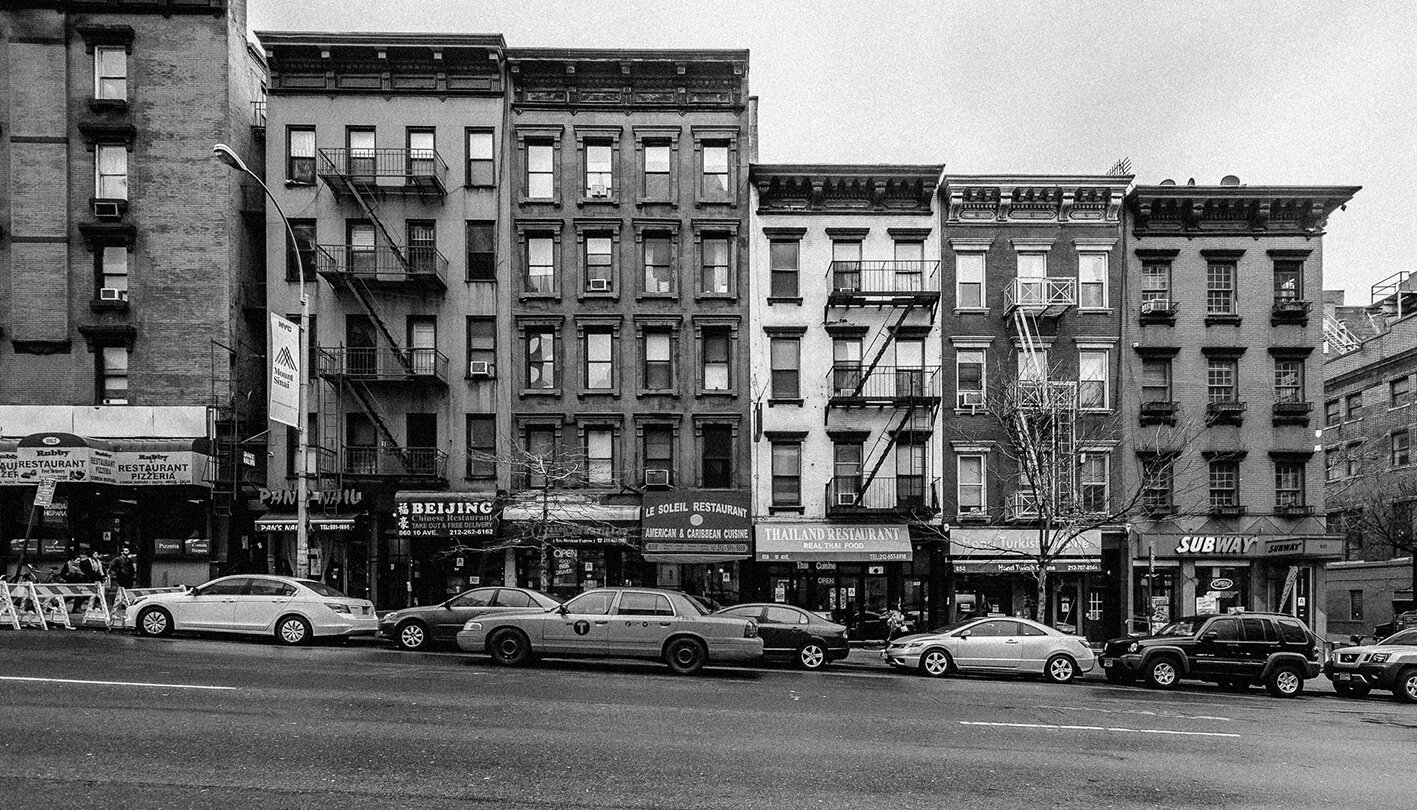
x=1153 y=599
x=1222 y=589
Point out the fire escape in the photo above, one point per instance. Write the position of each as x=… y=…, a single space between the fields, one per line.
x=1044 y=412
x=903 y=388
x=373 y=268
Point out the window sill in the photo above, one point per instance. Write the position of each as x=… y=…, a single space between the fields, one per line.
x=108 y=105
x=1392 y=408
x=479 y=378
x=299 y=184
x=1095 y=310
x=488 y=280
x=539 y=297
x=1222 y=320
x=587 y=295
x=644 y=296
x=795 y=301
x=613 y=202
x=607 y=393
x=486 y=481
x=100 y=305
x=1096 y=411
x=657 y=392
x=716 y=201
x=796 y=402
x=541 y=392
x=549 y=201
x=703 y=296
x=787 y=510
x=480 y=186
x=727 y=392
x=655 y=201
x=971 y=310
x=982 y=411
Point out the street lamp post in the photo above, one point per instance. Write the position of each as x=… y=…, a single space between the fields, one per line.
x=223 y=153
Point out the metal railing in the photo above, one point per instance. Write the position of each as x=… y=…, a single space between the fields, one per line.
x=376 y=364
x=1040 y=294
x=1035 y=395
x=885 y=277
x=1021 y=505
x=844 y=493
x=884 y=382
x=1158 y=309
x=384 y=264
x=408 y=462
x=389 y=169
x=258 y=113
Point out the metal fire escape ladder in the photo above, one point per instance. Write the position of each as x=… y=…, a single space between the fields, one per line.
x=886 y=442
x=886 y=337
x=1050 y=429
x=366 y=403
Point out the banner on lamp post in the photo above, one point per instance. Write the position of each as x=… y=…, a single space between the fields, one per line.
x=283 y=400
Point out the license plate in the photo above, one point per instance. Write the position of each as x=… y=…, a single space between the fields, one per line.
x=1344 y=676
x=1108 y=662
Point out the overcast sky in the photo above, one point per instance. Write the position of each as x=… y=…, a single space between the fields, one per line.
x=1274 y=92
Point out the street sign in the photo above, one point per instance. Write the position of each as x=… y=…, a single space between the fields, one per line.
x=45 y=495
x=248 y=458
x=283 y=390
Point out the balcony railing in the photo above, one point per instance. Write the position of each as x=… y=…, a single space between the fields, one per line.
x=1159 y=412
x=1021 y=506
x=901 y=493
x=889 y=279
x=1292 y=412
x=396 y=462
x=1290 y=311
x=1225 y=509
x=1225 y=411
x=884 y=383
x=422 y=267
x=258 y=115
x=397 y=171
x=384 y=365
x=1158 y=310
x=1038 y=395
x=1043 y=297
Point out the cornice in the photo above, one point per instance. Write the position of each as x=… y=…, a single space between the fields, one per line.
x=384 y=64
x=1064 y=199
x=1248 y=210
x=813 y=189
x=569 y=79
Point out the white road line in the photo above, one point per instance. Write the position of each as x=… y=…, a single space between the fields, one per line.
x=1102 y=728
x=119 y=683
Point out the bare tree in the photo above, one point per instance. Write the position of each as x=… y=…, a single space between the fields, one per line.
x=1375 y=509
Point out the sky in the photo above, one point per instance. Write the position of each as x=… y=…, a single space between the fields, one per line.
x=1295 y=92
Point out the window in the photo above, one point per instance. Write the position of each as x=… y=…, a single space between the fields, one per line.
x=969 y=280
x=716 y=169
x=422 y=246
x=480 y=150
x=304 y=253
x=540 y=171
x=1332 y=413
x=1092 y=479
x=300 y=156
x=1155 y=283
x=599 y=360
x=1092 y=280
x=481 y=345
x=969 y=377
x=478 y=598
x=110 y=73
x=846 y=468
x=1156 y=474
x=600 y=456
x=422 y=153
x=113 y=375
x=540 y=360
x=846 y=264
x=363 y=156
x=540 y=265
x=714 y=267
x=786 y=359
x=269 y=587
x=1092 y=379
x=1399 y=454
x=363 y=258
x=423 y=343
x=1156 y=379
x=657 y=165
x=1355 y=606
x=1288 y=483
x=509 y=597
x=1353 y=405
x=715 y=360
x=782 y=261
x=595 y=603
x=1224 y=629
x=113 y=269
x=1220 y=379
x=599 y=170
x=1399 y=392
x=659 y=449
x=970 y=489
x=599 y=263
x=111 y=172
x=1220 y=288
x=787 y=473
x=659 y=265
x=1224 y=483
x=1353 y=460
x=481 y=251
x=716 y=461
x=909 y=474
x=1288 y=280
x=481 y=446
x=1289 y=380
x=846 y=366
x=783 y=615
x=541 y=452
x=1032 y=265
x=1292 y=632
x=643 y=604
x=659 y=363
x=1331 y=469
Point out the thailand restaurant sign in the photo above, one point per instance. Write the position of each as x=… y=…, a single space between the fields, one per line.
x=696 y=525
x=829 y=542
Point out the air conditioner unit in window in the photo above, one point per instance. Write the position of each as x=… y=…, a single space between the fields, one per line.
x=971 y=399
x=479 y=368
x=599 y=285
x=107 y=209
x=656 y=478
x=599 y=190
x=115 y=401
x=846 y=499
x=112 y=294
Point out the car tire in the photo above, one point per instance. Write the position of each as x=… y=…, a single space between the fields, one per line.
x=685 y=656
x=1405 y=689
x=812 y=656
x=1163 y=672
x=510 y=648
x=1285 y=681
x=154 y=622
x=412 y=636
x=1060 y=669
x=936 y=663
x=293 y=631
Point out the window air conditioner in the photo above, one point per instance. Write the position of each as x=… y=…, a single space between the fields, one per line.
x=1155 y=305
x=112 y=294
x=599 y=190
x=656 y=478
x=106 y=209
x=479 y=368
x=599 y=285
x=846 y=499
x=971 y=399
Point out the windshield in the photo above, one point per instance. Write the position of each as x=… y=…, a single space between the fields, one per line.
x=951 y=627
x=1181 y=627
x=1407 y=638
x=321 y=588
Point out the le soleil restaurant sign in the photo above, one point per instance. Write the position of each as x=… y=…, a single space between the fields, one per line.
x=696 y=526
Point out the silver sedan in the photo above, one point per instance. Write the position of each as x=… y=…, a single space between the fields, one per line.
x=993 y=646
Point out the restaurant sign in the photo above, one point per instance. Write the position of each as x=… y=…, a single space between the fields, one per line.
x=792 y=542
x=695 y=523
x=444 y=515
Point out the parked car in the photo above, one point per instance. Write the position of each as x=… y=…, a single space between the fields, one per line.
x=1233 y=650
x=1401 y=621
x=417 y=628
x=1391 y=664
x=791 y=634
x=617 y=623
x=993 y=645
x=294 y=611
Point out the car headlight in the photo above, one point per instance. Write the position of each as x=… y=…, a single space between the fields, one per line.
x=915 y=645
x=337 y=608
x=473 y=626
x=1133 y=647
x=1379 y=658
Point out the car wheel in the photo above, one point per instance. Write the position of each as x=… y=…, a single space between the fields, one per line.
x=935 y=663
x=1060 y=669
x=685 y=656
x=293 y=631
x=154 y=622
x=510 y=648
x=1163 y=673
x=812 y=656
x=1285 y=681
x=1405 y=689
x=411 y=636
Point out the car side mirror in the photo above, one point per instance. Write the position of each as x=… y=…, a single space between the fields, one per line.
x=965 y=634
x=561 y=609
x=1211 y=636
x=191 y=590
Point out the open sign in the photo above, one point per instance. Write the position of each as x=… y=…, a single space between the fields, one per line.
x=1221 y=584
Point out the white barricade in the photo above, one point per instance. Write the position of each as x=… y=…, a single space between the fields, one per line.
x=36 y=607
x=50 y=601
x=130 y=596
x=8 y=614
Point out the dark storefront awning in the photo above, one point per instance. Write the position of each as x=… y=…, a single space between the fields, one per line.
x=571 y=522
x=827 y=542
x=317 y=524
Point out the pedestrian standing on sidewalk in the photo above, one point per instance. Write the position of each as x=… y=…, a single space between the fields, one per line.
x=124 y=569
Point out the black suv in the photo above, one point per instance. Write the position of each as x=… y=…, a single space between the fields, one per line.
x=1233 y=650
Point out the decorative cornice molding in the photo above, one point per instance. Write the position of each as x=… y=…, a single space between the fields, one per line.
x=785 y=189
x=1062 y=199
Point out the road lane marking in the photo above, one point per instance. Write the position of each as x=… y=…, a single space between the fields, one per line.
x=119 y=683
x=1103 y=728
x=1143 y=712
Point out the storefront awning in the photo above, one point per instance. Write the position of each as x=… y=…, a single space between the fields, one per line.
x=1008 y=545
x=1310 y=547
x=827 y=542
x=125 y=462
x=570 y=522
x=1068 y=565
x=317 y=524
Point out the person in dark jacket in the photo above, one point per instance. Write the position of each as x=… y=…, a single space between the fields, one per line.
x=124 y=569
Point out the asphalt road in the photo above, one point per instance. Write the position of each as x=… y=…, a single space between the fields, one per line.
x=208 y=723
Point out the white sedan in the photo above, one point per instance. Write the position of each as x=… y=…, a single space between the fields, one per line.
x=293 y=610
x=994 y=645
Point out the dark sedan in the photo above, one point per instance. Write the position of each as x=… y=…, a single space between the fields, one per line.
x=794 y=635
x=417 y=628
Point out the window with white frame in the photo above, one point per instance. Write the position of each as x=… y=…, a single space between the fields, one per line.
x=969 y=280
x=787 y=473
x=1157 y=475
x=1220 y=288
x=713 y=264
x=1288 y=380
x=969 y=377
x=658 y=362
x=1224 y=483
x=111 y=171
x=715 y=169
x=783 y=265
x=540 y=359
x=1288 y=483
x=113 y=375
x=599 y=263
x=540 y=171
x=1155 y=284
x=600 y=456
x=909 y=275
x=1032 y=264
x=657 y=168
x=540 y=264
x=599 y=170
x=1092 y=280
x=113 y=271
x=1156 y=379
x=1092 y=480
x=599 y=360
x=1220 y=379
x=1093 y=378
x=481 y=147
x=785 y=359
x=659 y=264
x=970 y=492
x=110 y=73
x=300 y=155
x=1033 y=366
x=716 y=365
